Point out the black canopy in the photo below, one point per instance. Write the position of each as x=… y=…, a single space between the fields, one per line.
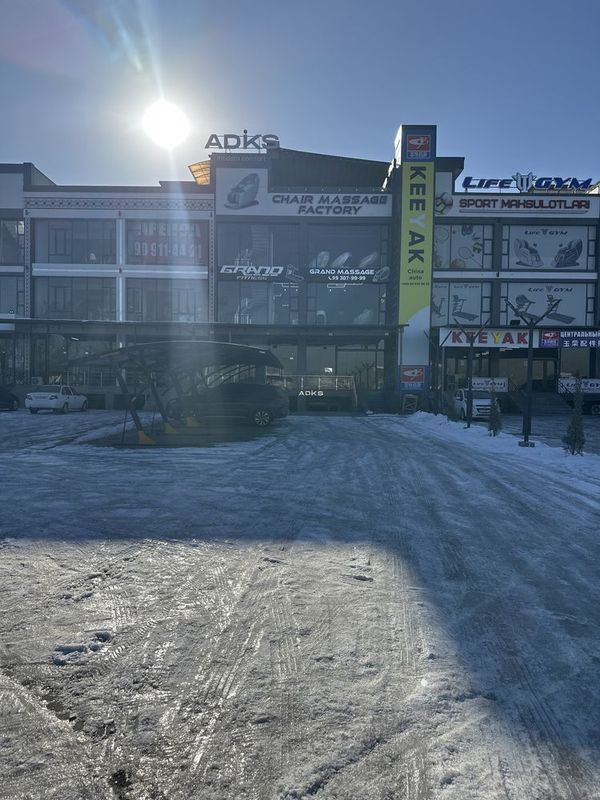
x=181 y=355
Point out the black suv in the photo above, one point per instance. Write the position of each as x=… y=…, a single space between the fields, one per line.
x=257 y=403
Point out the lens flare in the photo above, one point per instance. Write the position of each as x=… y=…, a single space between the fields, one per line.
x=166 y=124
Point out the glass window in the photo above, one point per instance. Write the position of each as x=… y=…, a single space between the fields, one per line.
x=77 y=241
x=12 y=295
x=12 y=237
x=164 y=300
x=167 y=242
x=351 y=254
x=249 y=245
x=258 y=303
x=75 y=298
x=341 y=304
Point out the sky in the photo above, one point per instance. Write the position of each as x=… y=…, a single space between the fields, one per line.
x=511 y=85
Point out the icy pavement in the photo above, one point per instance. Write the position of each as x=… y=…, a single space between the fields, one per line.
x=348 y=607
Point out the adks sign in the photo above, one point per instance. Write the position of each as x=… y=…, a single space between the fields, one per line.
x=232 y=141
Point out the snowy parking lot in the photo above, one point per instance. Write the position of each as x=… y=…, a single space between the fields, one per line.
x=345 y=607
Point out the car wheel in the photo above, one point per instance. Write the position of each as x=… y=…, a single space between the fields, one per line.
x=33 y=410
x=14 y=405
x=84 y=407
x=262 y=417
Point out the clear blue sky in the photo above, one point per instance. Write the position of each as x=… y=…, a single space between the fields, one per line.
x=512 y=85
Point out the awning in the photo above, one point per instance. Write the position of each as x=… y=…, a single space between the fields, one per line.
x=181 y=356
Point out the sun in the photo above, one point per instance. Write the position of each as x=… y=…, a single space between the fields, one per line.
x=166 y=124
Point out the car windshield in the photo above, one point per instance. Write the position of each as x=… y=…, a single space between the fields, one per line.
x=49 y=389
x=482 y=396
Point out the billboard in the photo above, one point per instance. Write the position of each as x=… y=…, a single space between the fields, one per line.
x=244 y=191
x=571 y=339
x=485 y=205
x=462 y=246
x=545 y=247
x=461 y=302
x=417 y=150
x=532 y=300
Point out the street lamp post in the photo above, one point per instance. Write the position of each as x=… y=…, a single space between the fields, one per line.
x=532 y=323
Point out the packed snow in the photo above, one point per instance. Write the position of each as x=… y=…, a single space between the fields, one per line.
x=343 y=607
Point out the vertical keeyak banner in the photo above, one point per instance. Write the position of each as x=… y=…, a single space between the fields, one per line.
x=416 y=145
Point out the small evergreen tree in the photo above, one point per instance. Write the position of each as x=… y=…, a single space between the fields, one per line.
x=495 y=420
x=574 y=439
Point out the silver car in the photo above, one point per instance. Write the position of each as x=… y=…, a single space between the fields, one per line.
x=59 y=399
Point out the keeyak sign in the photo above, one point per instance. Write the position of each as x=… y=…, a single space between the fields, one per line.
x=496 y=338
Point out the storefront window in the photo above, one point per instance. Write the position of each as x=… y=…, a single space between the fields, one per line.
x=12 y=236
x=12 y=358
x=75 y=241
x=575 y=362
x=164 y=300
x=256 y=245
x=75 y=298
x=167 y=242
x=258 y=303
x=343 y=304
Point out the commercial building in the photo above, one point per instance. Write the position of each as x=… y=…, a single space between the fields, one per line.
x=362 y=276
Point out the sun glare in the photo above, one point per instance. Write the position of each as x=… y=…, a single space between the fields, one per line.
x=166 y=124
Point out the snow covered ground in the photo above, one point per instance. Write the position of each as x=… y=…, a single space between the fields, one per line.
x=376 y=607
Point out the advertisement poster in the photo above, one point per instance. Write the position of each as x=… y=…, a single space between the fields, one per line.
x=588 y=385
x=571 y=339
x=244 y=191
x=462 y=247
x=489 y=384
x=547 y=248
x=462 y=302
x=532 y=300
x=413 y=378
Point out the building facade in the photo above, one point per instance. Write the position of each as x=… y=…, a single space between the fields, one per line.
x=345 y=268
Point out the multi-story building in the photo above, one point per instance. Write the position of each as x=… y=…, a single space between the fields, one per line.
x=344 y=267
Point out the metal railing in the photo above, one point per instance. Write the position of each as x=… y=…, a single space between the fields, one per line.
x=329 y=383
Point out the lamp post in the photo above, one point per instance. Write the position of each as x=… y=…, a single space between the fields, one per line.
x=532 y=323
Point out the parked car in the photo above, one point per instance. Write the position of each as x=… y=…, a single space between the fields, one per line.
x=482 y=404
x=59 y=399
x=256 y=403
x=8 y=400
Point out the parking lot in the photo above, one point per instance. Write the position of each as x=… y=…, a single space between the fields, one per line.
x=320 y=611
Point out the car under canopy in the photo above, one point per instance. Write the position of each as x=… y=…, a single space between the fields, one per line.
x=167 y=361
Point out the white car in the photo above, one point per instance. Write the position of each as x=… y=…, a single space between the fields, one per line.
x=482 y=403
x=59 y=399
